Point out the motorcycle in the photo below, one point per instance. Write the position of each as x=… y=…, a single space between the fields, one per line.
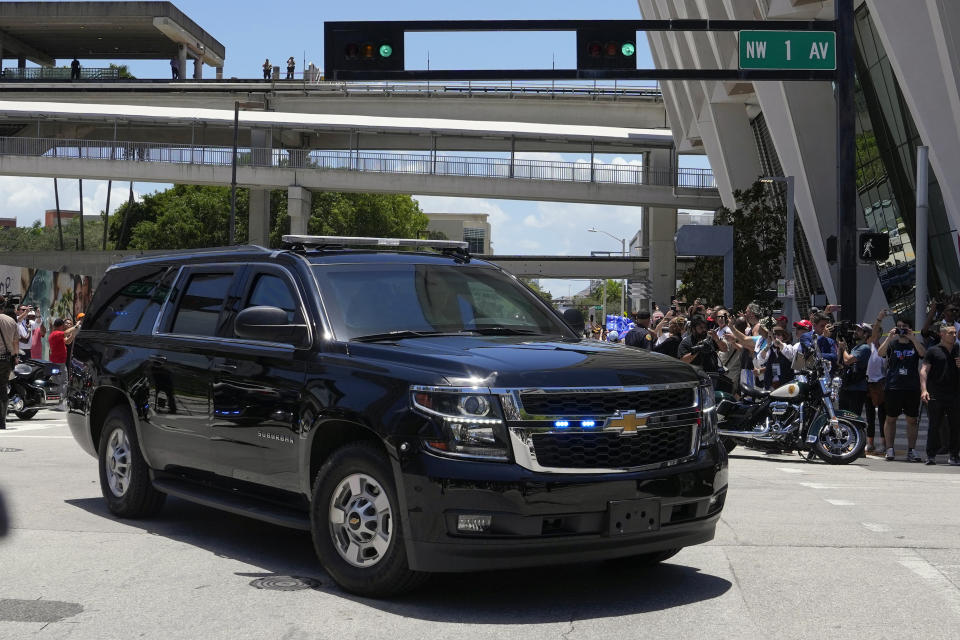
x=799 y=416
x=35 y=385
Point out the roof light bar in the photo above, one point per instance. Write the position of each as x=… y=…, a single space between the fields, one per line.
x=314 y=241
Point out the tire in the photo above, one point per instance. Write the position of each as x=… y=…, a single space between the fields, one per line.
x=124 y=476
x=356 y=482
x=842 y=449
x=26 y=415
x=728 y=443
x=648 y=559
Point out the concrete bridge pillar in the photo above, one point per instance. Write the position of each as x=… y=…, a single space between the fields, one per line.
x=182 y=60
x=661 y=224
x=299 y=201
x=197 y=69
x=258 y=222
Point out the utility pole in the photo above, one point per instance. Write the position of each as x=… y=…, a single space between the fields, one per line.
x=847 y=209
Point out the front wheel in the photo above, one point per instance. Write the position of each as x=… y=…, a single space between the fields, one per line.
x=840 y=445
x=124 y=476
x=355 y=523
x=27 y=414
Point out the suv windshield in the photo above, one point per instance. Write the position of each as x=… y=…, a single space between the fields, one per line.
x=376 y=300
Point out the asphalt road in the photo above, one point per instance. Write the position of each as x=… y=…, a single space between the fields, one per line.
x=870 y=550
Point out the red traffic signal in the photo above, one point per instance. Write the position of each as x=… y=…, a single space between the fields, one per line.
x=594 y=50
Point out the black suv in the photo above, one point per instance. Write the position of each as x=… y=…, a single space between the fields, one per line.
x=415 y=411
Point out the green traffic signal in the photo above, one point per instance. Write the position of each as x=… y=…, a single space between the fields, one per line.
x=386 y=51
x=628 y=49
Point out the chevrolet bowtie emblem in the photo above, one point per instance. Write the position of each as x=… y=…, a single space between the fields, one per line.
x=627 y=422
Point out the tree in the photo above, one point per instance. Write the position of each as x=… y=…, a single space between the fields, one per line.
x=183 y=217
x=39 y=238
x=122 y=71
x=540 y=291
x=759 y=238
x=192 y=216
x=614 y=287
x=356 y=214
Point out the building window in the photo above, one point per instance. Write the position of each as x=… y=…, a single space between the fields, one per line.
x=475 y=238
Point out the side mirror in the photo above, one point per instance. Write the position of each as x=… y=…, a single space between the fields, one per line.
x=269 y=324
x=574 y=318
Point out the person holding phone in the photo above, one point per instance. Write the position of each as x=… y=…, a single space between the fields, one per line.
x=903 y=352
x=939 y=379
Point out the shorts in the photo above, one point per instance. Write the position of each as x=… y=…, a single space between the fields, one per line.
x=899 y=401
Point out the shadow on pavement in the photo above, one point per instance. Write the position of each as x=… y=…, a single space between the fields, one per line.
x=548 y=594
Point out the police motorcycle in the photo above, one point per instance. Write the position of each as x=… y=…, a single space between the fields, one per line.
x=33 y=387
x=800 y=416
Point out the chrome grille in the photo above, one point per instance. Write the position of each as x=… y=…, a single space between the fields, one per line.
x=606 y=403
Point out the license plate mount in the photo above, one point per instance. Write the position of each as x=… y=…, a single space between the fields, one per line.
x=626 y=517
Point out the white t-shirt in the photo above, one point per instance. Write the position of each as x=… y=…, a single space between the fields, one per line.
x=875 y=365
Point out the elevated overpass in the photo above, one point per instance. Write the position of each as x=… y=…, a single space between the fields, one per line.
x=571 y=104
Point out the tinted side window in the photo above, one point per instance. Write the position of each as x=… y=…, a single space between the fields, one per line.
x=273 y=291
x=157 y=298
x=201 y=303
x=126 y=308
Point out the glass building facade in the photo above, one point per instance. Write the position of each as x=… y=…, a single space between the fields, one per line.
x=887 y=141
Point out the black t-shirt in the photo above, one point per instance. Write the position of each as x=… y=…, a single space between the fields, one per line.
x=669 y=346
x=903 y=366
x=639 y=337
x=706 y=359
x=943 y=376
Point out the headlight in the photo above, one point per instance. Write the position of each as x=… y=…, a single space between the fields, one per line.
x=54 y=371
x=708 y=414
x=471 y=423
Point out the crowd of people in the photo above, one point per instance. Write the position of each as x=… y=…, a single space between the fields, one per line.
x=884 y=373
x=22 y=333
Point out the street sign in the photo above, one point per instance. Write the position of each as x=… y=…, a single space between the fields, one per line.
x=874 y=247
x=599 y=307
x=788 y=50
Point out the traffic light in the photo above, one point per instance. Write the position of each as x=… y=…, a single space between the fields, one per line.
x=362 y=47
x=606 y=48
x=639 y=290
x=874 y=247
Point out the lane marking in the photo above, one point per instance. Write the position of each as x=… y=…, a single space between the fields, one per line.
x=876 y=527
x=14 y=435
x=818 y=485
x=839 y=503
x=789 y=470
x=931 y=575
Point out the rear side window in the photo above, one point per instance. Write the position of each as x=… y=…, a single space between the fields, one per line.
x=273 y=291
x=201 y=304
x=125 y=311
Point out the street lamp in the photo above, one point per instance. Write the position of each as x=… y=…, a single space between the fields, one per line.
x=790 y=285
x=233 y=175
x=623 y=252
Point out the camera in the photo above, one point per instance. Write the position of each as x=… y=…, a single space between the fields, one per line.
x=844 y=330
x=903 y=332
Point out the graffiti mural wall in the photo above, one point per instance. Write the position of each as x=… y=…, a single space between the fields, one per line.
x=54 y=294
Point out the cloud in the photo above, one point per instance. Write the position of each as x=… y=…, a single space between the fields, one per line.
x=27 y=198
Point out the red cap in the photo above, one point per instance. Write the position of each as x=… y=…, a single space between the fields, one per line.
x=804 y=324
x=781 y=319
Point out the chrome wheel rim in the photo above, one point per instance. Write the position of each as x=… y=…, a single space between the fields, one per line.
x=361 y=520
x=117 y=462
x=16 y=403
x=841 y=443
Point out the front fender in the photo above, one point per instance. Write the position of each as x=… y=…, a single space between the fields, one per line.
x=820 y=420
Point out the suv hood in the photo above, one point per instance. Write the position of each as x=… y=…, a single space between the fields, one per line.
x=517 y=361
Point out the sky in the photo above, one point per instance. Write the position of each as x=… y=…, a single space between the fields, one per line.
x=252 y=31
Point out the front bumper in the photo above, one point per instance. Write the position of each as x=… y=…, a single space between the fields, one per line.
x=540 y=518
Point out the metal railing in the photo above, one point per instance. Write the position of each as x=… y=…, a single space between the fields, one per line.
x=590 y=89
x=370 y=162
x=59 y=73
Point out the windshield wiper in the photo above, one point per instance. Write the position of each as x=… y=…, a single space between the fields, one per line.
x=403 y=334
